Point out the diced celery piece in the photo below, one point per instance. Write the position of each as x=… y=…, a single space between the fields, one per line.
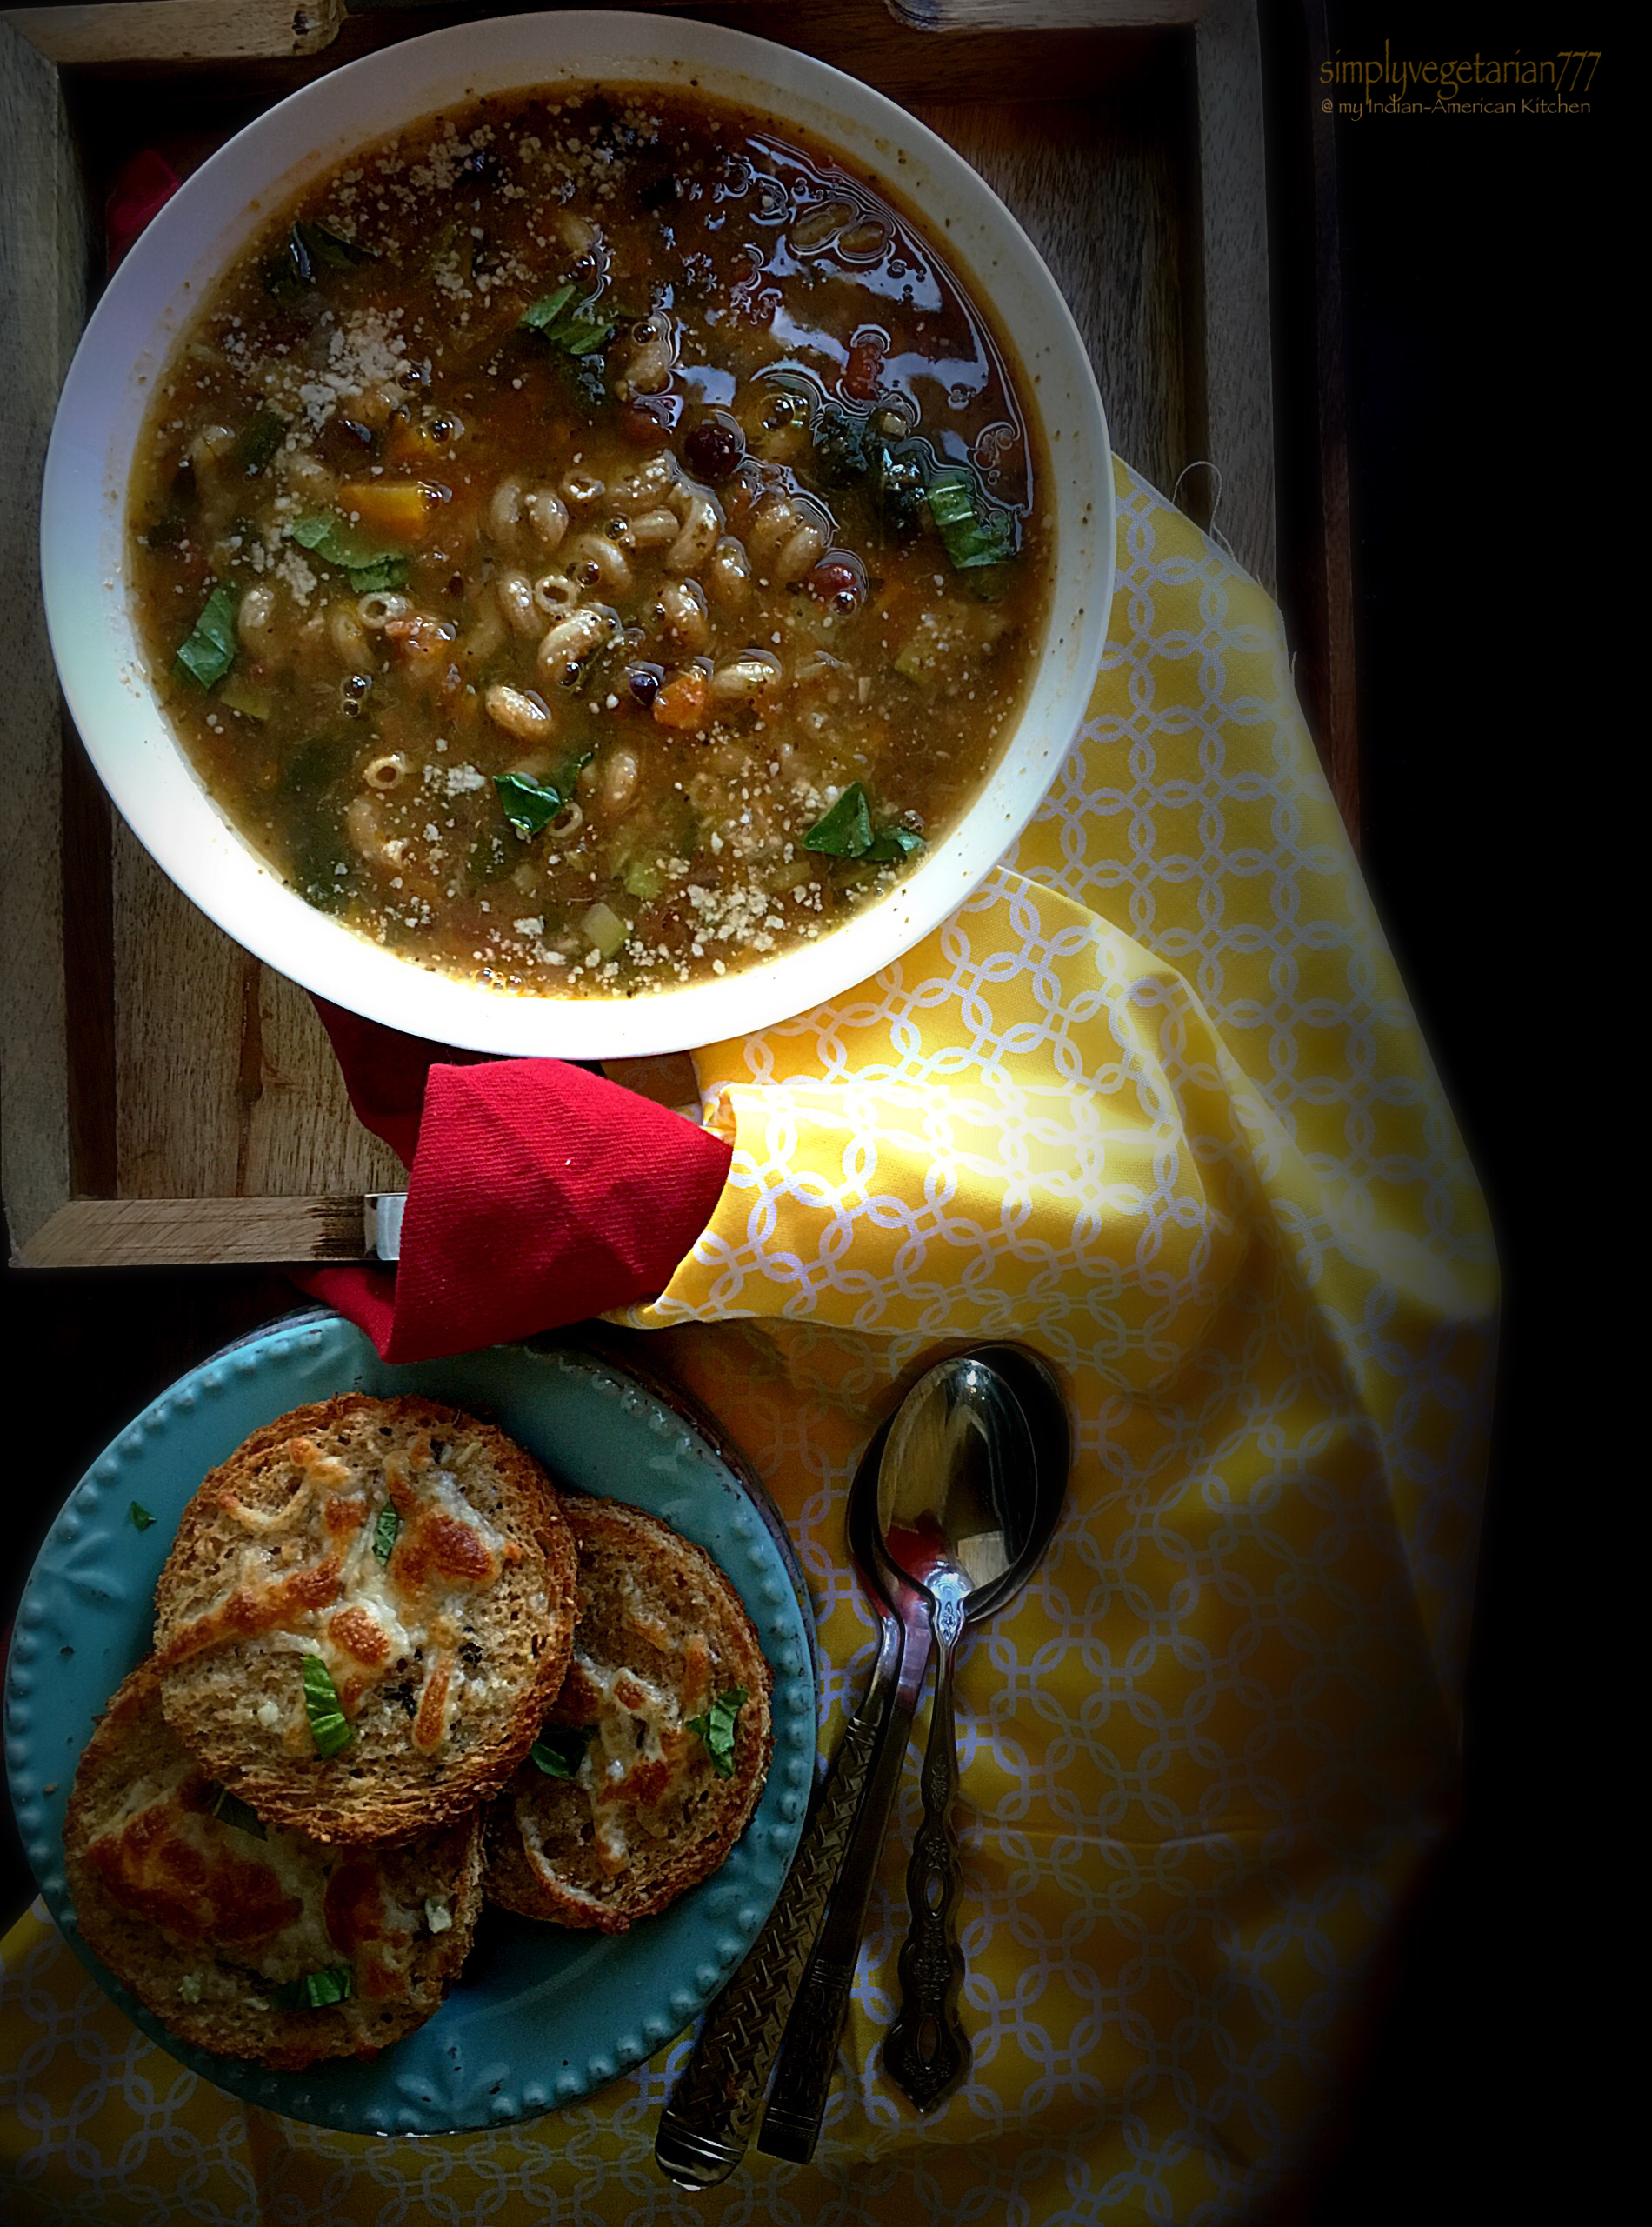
x=244 y=695
x=603 y=926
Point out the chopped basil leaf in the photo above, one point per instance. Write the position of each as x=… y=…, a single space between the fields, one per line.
x=384 y=1532
x=209 y=651
x=560 y=1748
x=528 y=805
x=371 y=568
x=575 y=327
x=970 y=537
x=334 y=541
x=309 y=248
x=891 y=842
x=846 y=831
x=140 y=1517
x=259 y=442
x=843 y=451
x=328 y=1723
x=383 y=572
x=282 y=284
x=716 y=1730
x=541 y=316
x=897 y=485
x=581 y=337
x=328 y=248
x=230 y=1809
x=315 y=1991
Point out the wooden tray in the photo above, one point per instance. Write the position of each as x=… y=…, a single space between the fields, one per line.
x=144 y=1056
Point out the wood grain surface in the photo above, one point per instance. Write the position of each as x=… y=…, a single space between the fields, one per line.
x=197 y=1232
x=166 y=30
x=42 y=306
x=1234 y=354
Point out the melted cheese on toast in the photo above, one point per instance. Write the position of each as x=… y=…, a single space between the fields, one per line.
x=276 y=1907
x=309 y=1578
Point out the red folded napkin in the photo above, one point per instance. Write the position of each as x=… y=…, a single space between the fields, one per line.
x=539 y=1193
x=141 y=189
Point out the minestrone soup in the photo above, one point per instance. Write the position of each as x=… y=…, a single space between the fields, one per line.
x=590 y=542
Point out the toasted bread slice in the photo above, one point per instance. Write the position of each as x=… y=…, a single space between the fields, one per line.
x=397 y=1555
x=648 y=1812
x=216 y=1925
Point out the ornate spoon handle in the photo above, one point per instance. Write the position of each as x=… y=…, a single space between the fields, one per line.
x=705 y=2127
x=808 y=2053
x=927 y=2051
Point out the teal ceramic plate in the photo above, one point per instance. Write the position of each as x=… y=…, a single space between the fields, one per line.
x=540 y=2016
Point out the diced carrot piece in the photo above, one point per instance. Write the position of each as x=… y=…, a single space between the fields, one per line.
x=399 y=509
x=685 y=701
x=407 y=444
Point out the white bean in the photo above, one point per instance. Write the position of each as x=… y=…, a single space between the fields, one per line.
x=515 y=594
x=504 y=509
x=650 y=371
x=527 y=717
x=682 y=608
x=697 y=538
x=787 y=538
x=653 y=353
x=572 y=638
x=593 y=552
x=621 y=774
x=548 y=515
x=575 y=232
x=730 y=573
x=255 y=616
x=487 y=633
x=745 y=676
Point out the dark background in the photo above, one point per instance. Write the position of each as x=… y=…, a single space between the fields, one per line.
x=1473 y=315
x=1478 y=312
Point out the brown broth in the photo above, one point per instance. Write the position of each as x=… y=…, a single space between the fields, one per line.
x=552 y=657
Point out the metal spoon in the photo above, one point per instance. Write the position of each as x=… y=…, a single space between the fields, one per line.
x=808 y=2053
x=956 y=1503
x=809 y=2049
x=704 y=2128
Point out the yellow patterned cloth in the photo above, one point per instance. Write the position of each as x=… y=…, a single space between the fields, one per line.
x=1153 y=1102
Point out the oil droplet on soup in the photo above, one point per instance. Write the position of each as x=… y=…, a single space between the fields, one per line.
x=590 y=544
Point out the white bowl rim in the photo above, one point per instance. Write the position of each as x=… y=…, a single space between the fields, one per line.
x=127 y=343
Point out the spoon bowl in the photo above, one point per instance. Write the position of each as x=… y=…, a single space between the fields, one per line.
x=953 y=1512
x=964 y=1509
